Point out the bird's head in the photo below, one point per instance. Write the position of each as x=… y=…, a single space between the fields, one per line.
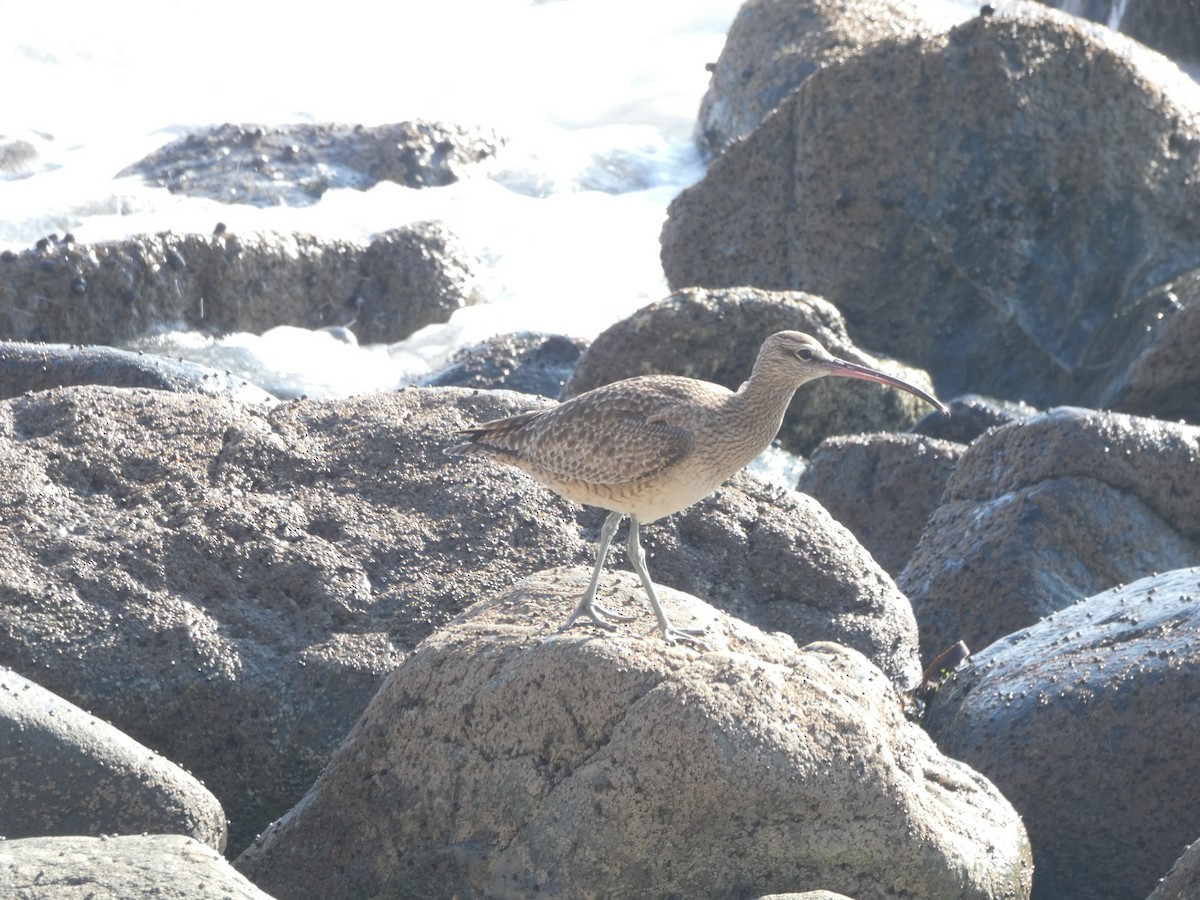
x=800 y=358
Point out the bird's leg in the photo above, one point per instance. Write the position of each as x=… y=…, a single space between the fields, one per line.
x=671 y=634
x=587 y=605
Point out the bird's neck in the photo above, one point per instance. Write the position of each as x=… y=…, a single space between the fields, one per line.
x=755 y=413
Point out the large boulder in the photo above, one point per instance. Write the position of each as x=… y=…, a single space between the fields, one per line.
x=1001 y=205
x=1040 y=514
x=119 y=868
x=229 y=583
x=108 y=293
x=773 y=46
x=1086 y=722
x=503 y=759
x=883 y=487
x=65 y=772
x=715 y=336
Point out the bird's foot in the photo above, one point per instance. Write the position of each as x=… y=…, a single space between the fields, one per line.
x=600 y=617
x=690 y=636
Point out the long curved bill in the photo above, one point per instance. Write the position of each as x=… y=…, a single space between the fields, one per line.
x=844 y=369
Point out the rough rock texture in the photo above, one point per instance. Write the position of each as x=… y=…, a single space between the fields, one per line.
x=1183 y=881
x=37 y=367
x=526 y=362
x=228 y=584
x=163 y=866
x=716 y=335
x=972 y=415
x=1019 y=243
x=883 y=487
x=777 y=559
x=297 y=164
x=504 y=760
x=64 y=772
x=1171 y=27
x=107 y=293
x=1039 y=515
x=773 y=46
x=1086 y=722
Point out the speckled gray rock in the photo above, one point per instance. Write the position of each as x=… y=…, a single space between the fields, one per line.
x=773 y=46
x=526 y=362
x=1040 y=514
x=999 y=205
x=229 y=583
x=883 y=487
x=715 y=336
x=297 y=164
x=163 y=866
x=64 y=772
x=37 y=367
x=1087 y=723
x=504 y=759
x=1183 y=881
x=108 y=293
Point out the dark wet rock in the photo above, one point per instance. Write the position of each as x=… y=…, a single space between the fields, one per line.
x=514 y=763
x=1009 y=249
x=1086 y=723
x=119 y=868
x=526 y=362
x=1040 y=514
x=971 y=415
x=1159 y=374
x=64 y=772
x=715 y=336
x=883 y=487
x=772 y=47
x=109 y=293
x=228 y=583
x=39 y=367
x=296 y=164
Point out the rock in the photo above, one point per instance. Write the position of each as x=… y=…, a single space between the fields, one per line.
x=526 y=362
x=296 y=164
x=108 y=293
x=1086 y=723
x=773 y=46
x=970 y=416
x=777 y=559
x=1039 y=515
x=38 y=367
x=1160 y=375
x=1171 y=27
x=716 y=335
x=64 y=772
x=504 y=760
x=1183 y=881
x=1015 y=246
x=229 y=584
x=883 y=487
x=119 y=868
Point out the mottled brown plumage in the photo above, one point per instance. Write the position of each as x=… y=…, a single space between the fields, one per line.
x=650 y=446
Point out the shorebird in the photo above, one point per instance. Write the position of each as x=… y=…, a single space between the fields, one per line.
x=650 y=446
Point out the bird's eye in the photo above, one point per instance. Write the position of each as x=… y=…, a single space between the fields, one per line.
x=804 y=354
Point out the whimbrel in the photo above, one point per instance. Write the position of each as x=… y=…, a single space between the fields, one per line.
x=649 y=446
